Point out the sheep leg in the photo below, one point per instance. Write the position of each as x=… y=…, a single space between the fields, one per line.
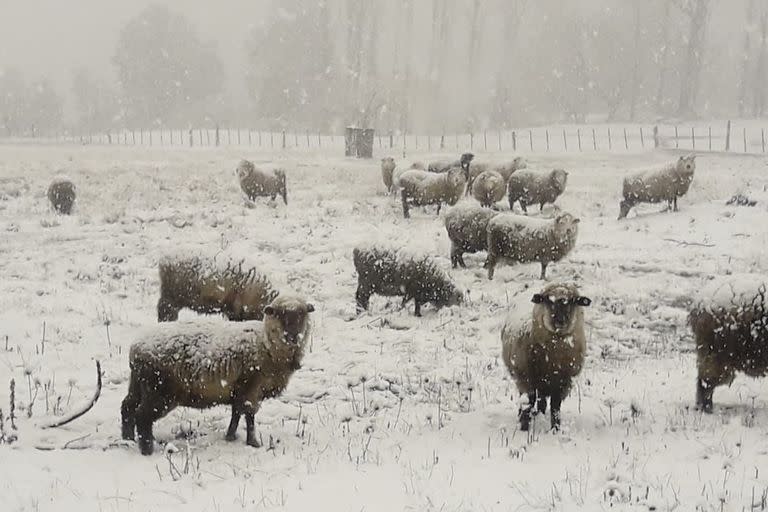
x=250 y=429
x=624 y=207
x=151 y=409
x=712 y=373
x=524 y=414
x=417 y=311
x=456 y=256
x=490 y=264
x=166 y=311
x=542 y=404
x=524 y=207
x=674 y=201
x=128 y=408
x=705 y=388
x=543 y=270
x=438 y=207
x=233 y=424
x=404 y=196
x=541 y=207
x=362 y=298
x=554 y=401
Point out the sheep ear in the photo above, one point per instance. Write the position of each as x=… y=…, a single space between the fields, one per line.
x=576 y=221
x=680 y=159
x=269 y=310
x=583 y=301
x=537 y=298
x=310 y=307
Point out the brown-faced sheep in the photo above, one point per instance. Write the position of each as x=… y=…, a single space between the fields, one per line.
x=390 y=273
x=255 y=182
x=545 y=350
x=531 y=187
x=208 y=285
x=445 y=165
x=467 y=228
x=489 y=188
x=387 y=169
x=505 y=169
x=61 y=194
x=654 y=186
x=420 y=188
x=204 y=364
x=521 y=239
x=729 y=321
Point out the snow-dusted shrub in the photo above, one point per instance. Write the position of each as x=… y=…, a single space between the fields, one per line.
x=256 y=182
x=212 y=285
x=391 y=272
x=61 y=194
x=657 y=185
x=521 y=239
x=421 y=188
x=729 y=320
x=544 y=349
x=467 y=228
x=532 y=187
x=488 y=188
x=203 y=364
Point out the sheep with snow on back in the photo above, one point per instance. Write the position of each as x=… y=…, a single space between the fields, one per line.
x=521 y=239
x=467 y=228
x=489 y=188
x=446 y=165
x=212 y=285
x=657 y=185
x=544 y=350
x=420 y=188
x=255 y=182
x=532 y=187
x=61 y=194
x=204 y=364
x=506 y=169
x=729 y=321
x=389 y=272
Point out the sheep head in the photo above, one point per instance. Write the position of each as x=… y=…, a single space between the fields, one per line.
x=519 y=163
x=556 y=307
x=566 y=224
x=686 y=164
x=288 y=318
x=559 y=177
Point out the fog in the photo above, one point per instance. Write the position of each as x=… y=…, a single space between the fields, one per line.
x=419 y=66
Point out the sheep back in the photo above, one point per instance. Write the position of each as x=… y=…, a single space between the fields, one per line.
x=535 y=187
x=467 y=228
x=422 y=188
x=657 y=185
x=506 y=169
x=488 y=188
x=61 y=194
x=255 y=182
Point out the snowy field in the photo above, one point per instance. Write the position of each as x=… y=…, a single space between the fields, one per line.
x=389 y=412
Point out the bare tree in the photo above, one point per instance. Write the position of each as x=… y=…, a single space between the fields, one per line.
x=697 y=12
x=663 y=59
x=758 y=93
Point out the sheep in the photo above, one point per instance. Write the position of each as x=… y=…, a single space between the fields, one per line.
x=255 y=182
x=203 y=364
x=530 y=187
x=729 y=321
x=488 y=188
x=545 y=350
x=467 y=228
x=421 y=188
x=390 y=272
x=207 y=286
x=524 y=239
x=387 y=169
x=505 y=169
x=62 y=194
x=654 y=186
x=442 y=166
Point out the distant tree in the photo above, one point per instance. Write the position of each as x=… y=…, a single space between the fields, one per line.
x=96 y=103
x=697 y=13
x=12 y=101
x=44 y=108
x=165 y=70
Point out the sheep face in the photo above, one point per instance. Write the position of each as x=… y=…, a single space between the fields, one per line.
x=388 y=163
x=456 y=177
x=519 y=163
x=556 y=306
x=243 y=172
x=567 y=225
x=559 y=178
x=465 y=160
x=287 y=318
x=687 y=164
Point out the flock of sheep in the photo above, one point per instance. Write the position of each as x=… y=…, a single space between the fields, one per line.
x=201 y=364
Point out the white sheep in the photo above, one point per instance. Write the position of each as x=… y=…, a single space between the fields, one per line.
x=506 y=169
x=532 y=187
x=255 y=182
x=202 y=364
x=488 y=188
x=421 y=188
x=544 y=349
x=657 y=185
x=467 y=228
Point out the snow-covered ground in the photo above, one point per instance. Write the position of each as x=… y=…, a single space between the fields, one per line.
x=389 y=412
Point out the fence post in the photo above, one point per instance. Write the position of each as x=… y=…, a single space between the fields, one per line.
x=565 y=141
x=109 y=137
x=656 y=136
x=190 y=137
x=391 y=139
x=578 y=136
x=296 y=139
x=238 y=136
x=546 y=134
x=485 y=140
x=259 y=138
x=133 y=137
x=320 y=141
x=307 y=139
x=642 y=139
x=272 y=139
x=594 y=140
x=514 y=141
x=141 y=137
x=471 y=140
x=677 y=138
x=744 y=131
x=457 y=142
x=429 y=143
x=710 y=138
x=442 y=140
x=762 y=138
x=218 y=140
x=283 y=133
x=530 y=138
x=626 y=142
x=610 y=142
x=693 y=137
x=728 y=136
x=416 y=144
x=161 y=137
x=499 y=140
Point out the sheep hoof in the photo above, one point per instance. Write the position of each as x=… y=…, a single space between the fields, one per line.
x=146 y=447
x=253 y=442
x=231 y=436
x=705 y=407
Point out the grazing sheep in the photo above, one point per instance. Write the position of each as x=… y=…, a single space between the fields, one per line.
x=445 y=165
x=467 y=228
x=654 y=186
x=203 y=364
x=729 y=321
x=387 y=169
x=523 y=239
x=61 y=194
x=420 y=188
x=390 y=273
x=255 y=182
x=505 y=169
x=530 y=187
x=488 y=188
x=208 y=286
x=545 y=350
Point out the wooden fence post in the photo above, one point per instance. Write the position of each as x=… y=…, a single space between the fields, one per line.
x=471 y=140
x=656 y=136
x=283 y=133
x=238 y=136
x=744 y=131
x=141 y=137
x=457 y=141
x=514 y=141
x=610 y=143
x=728 y=136
x=762 y=138
x=272 y=139
x=530 y=138
x=442 y=140
x=391 y=139
x=578 y=136
x=296 y=139
x=693 y=137
x=133 y=137
x=546 y=134
x=710 y=138
x=485 y=140
x=499 y=132
x=190 y=137
x=416 y=142
x=642 y=139
x=565 y=141
x=677 y=138
x=218 y=139
x=429 y=143
x=161 y=137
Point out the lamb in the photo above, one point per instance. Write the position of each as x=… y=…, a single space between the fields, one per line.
x=655 y=186
x=390 y=273
x=255 y=182
x=205 y=285
x=62 y=194
x=524 y=239
x=505 y=169
x=203 y=364
x=387 y=169
x=489 y=188
x=420 y=188
x=545 y=350
x=442 y=166
x=467 y=228
x=530 y=187
x=729 y=321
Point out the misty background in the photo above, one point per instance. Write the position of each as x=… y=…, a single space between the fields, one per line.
x=422 y=66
